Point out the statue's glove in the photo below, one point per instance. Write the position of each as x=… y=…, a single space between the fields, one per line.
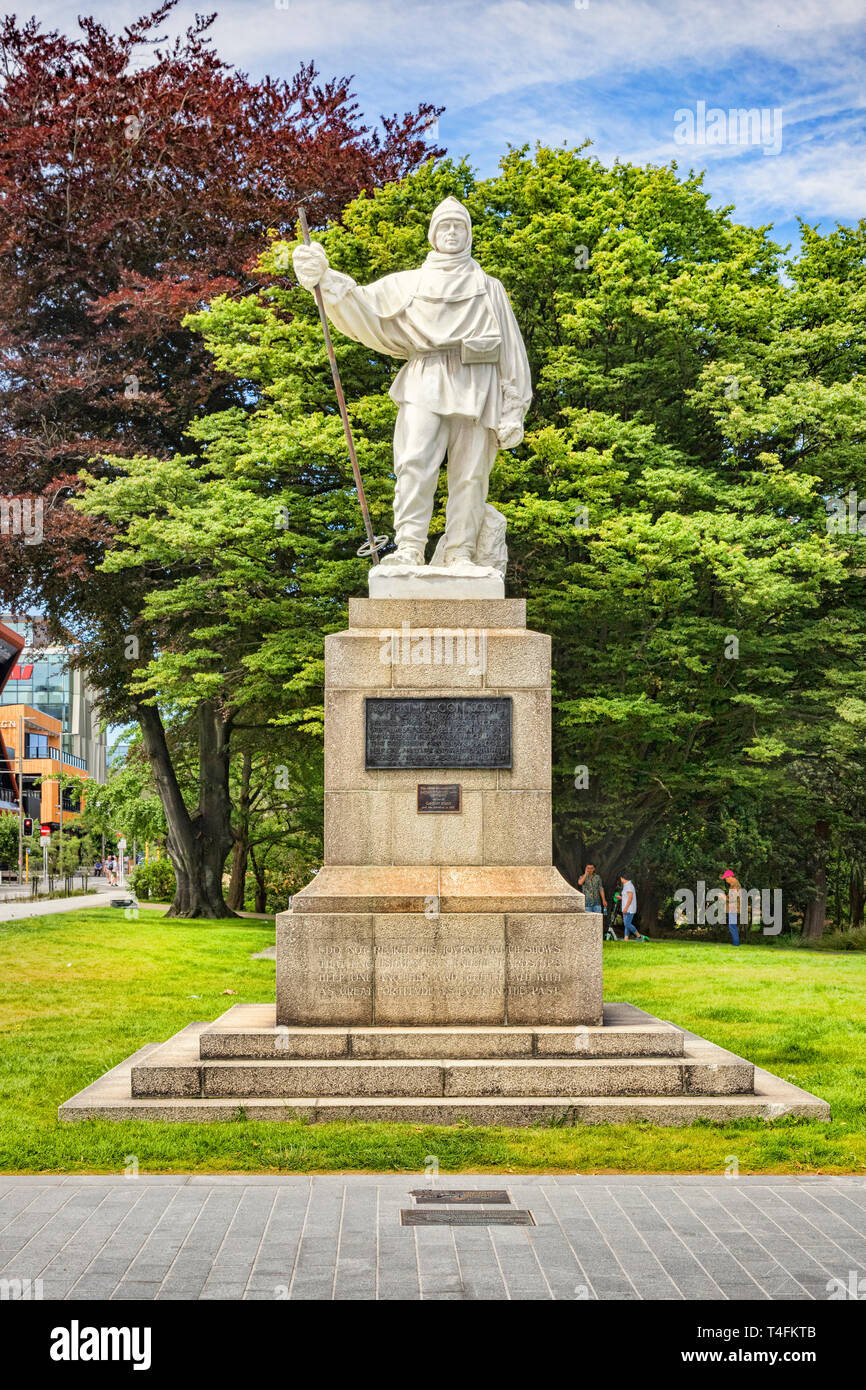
x=509 y=433
x=311 y=263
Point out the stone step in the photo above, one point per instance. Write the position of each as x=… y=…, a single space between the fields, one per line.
x=175 y=1069
x=109 y=1098
x=249 y=1031
x=492 y=1077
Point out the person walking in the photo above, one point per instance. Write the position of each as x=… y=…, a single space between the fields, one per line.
x=629 y=909
x=733 y=887
x=593 y=891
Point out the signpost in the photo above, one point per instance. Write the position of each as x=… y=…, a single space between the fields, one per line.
x=45 y=842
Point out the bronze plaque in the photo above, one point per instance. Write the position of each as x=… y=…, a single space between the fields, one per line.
x=429 y=1196
x=437 y=731
x=464 y=1216
x=439 y=796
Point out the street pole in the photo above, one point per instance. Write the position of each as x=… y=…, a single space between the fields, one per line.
x=60 y=864
x=20 y=797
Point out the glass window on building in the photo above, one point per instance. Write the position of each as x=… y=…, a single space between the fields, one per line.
x=32 y=797
x=46 y=687
x=36 y=746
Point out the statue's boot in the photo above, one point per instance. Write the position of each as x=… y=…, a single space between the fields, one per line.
x=404 y=555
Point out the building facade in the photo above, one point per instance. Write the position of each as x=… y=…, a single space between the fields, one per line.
x=49 y=725
x=11 y=647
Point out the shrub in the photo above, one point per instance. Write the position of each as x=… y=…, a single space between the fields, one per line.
x=154 y=880
x=847 y=939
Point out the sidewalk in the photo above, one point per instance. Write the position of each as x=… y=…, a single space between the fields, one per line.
x=12 y=890
x=15 y=911
x=343 y=1236
x=29 y=907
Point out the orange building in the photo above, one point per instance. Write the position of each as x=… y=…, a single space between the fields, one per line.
x=32 y=752
x=11 y=647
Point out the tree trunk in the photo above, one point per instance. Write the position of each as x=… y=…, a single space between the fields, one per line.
x=261 y=900
x=236 y=895
x=815 y=916
x=197 y=845
x=241 y=833
x=856 y=896
x=649 y=901
x=610 y=855
x=212 y=822
x=568 y=856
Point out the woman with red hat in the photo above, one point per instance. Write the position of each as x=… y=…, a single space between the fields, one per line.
x=733 y=887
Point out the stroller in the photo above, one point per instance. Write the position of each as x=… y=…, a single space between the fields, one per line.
x=610 y=922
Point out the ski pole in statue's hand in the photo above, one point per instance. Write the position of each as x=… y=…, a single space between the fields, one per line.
x=374 y=543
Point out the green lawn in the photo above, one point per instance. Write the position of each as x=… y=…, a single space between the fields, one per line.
x=82 y=990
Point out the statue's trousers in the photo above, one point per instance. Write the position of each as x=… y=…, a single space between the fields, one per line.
x=421 y=442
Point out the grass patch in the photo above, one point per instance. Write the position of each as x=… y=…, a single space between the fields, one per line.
x=80 y=991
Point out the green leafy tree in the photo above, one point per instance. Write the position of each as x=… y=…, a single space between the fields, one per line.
x=694 y=411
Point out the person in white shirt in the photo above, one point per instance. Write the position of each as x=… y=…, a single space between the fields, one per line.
x=629 y=908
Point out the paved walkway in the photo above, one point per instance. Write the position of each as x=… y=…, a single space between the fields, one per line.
x=340 y=1237
x=11 y=911
x=15 y=911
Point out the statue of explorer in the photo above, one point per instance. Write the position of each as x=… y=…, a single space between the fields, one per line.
x=463 y=391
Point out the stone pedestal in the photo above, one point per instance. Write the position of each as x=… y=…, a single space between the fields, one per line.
x=445 y=916
x=438 y=969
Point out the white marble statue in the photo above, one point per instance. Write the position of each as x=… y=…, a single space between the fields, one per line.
x=464 y=389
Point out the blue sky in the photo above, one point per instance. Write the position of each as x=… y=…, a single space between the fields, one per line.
x=614 y=71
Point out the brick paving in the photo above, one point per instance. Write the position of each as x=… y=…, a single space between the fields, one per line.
x=339 y=1237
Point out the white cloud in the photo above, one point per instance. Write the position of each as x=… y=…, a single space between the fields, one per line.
x=525 y=70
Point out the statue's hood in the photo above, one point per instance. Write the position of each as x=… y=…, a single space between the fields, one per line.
x=450 y=207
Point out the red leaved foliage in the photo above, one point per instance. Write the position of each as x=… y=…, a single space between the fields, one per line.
x=128 y=196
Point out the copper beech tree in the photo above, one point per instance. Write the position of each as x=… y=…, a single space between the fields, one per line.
x=139 y=178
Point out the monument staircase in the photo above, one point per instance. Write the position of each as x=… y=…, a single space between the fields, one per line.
x=631 y=1067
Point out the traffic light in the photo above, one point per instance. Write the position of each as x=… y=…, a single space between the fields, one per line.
x=28 y=826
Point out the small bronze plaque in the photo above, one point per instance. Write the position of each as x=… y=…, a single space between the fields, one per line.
x=439 y=796
x=464 y=1216
x=429 y=1196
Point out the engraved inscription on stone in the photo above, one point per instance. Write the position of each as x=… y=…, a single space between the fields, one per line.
x=438 y=796
x=340 y=968
x=459 y=970
x=434 y=731
x=535 y=970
